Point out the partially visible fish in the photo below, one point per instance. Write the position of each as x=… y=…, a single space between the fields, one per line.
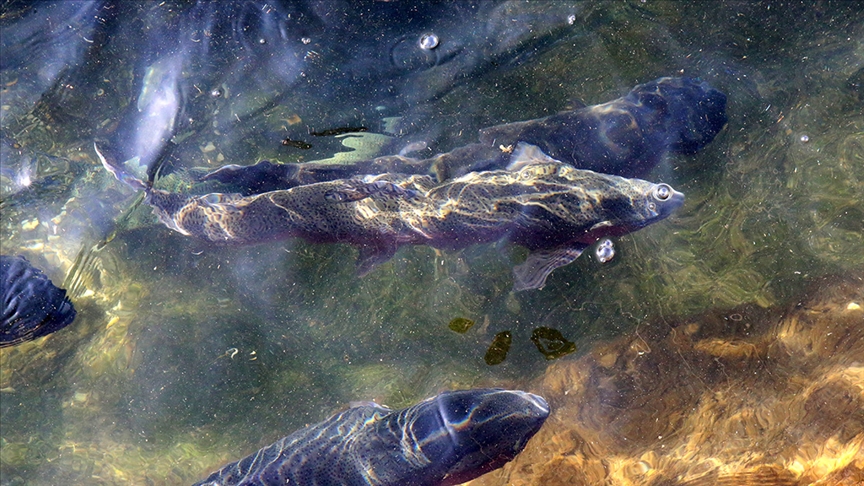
x=445 y=440
x=547 y=206
x=628 y=136
x=32 y=306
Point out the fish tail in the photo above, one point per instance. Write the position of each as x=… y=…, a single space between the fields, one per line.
x=118 y=171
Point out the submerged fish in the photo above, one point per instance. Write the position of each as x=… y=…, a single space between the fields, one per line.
x=445 y=440
x=628 y=136
x=547 y=206
x=32 y=306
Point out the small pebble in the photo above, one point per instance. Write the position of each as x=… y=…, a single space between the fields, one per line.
x=30 y=225
x=805 y=138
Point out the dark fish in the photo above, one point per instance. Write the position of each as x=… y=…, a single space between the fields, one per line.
x=338 y=131
x=32 y=306
x=549 y=207
x=265 y=176
x=353 y=190
x=855 y=84
x=445 y=440
x=627 y=136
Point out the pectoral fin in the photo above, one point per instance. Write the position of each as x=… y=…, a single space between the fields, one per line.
x=532 y=273
x=371 y=256
x=526 y=154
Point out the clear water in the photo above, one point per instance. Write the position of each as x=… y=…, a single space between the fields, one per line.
x=724 y=342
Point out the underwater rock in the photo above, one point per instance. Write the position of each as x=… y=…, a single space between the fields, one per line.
x=445 y=440
x=498 y=349
x=737 y=396
x=461 y=325
x=32 y=306
x=551 y=343
x=547 y=206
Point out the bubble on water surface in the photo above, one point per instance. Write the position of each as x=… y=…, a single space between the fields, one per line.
x=605 y=250
x=428 y=41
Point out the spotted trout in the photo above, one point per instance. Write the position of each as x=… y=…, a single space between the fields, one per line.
x=551 y=208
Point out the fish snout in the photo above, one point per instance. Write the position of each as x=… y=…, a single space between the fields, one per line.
x=665 y=200
x=535 y=405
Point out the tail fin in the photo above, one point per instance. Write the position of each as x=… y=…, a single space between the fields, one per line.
x=117 y=170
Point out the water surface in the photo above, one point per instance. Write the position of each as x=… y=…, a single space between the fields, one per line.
x=723 y=342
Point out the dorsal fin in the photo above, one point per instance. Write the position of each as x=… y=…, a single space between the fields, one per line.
x=118 y=170
x=368 y=404
x=372 y=255
x=526 y=154
x=532 y=273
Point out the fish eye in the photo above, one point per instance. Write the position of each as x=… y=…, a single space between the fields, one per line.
x=662 y=192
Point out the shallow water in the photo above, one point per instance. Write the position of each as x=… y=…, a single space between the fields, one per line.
x=721 y=344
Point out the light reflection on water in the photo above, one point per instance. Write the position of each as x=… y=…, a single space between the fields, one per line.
x=694 y=361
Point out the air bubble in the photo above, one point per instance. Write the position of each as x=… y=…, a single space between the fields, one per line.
x=605 y=250
x=428 y=42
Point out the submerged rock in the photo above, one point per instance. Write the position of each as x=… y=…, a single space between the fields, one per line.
x=736 y=396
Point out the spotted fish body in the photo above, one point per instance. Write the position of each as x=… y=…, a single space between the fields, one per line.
x=549 y=207
x=448 y=439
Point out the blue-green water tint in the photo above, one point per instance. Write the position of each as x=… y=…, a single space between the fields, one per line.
x=184 y=357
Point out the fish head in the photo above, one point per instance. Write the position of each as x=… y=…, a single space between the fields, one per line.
x=694 y=111
x=635 y=204
x=659 y=201
x=485 y=429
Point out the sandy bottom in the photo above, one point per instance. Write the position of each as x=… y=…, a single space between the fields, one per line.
x=747 y=396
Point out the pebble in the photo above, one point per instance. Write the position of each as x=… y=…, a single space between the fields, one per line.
x=29 y=225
